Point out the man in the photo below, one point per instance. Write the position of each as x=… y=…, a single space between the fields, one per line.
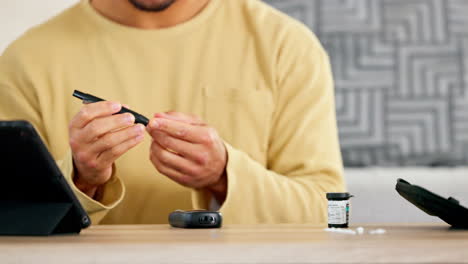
x=252 y=128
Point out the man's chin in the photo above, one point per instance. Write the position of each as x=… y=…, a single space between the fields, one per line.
x=152 y=5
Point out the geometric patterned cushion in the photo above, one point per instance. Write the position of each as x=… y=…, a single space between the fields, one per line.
x=401 y=76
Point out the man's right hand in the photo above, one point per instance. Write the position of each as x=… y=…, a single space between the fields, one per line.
x=97 y=139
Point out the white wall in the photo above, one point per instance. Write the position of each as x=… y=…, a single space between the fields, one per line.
x=16 y=16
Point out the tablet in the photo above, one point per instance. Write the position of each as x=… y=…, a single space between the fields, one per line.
x=35 y=198
x=448 y=210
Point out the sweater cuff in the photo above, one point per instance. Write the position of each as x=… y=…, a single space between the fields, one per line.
x=202 y=199
x=112 y=192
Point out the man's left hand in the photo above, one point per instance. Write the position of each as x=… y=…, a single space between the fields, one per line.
x=188 y=151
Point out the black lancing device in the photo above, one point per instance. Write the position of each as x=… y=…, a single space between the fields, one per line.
x=88 y=98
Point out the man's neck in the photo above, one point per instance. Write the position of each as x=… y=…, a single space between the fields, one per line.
x=123 y=12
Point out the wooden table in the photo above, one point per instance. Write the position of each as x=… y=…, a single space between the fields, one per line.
x=241 y=244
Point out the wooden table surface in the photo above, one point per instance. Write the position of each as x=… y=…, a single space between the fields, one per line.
x=241 y=244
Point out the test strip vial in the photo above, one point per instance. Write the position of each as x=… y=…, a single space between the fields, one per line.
x=338 y=209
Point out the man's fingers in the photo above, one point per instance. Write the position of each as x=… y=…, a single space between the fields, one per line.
x=92 y=111
x=171 y=173
x=178 y=116
x=113 y=139
x=185 y=149
x=109 y=156
x=165 y=159
x=180 y=130
x=104 y=125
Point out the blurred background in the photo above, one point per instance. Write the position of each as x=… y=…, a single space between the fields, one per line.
x=401 y=75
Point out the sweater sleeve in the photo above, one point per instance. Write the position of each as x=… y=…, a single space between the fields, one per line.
x=111 y=195
x=303 y=159
x=21 y=80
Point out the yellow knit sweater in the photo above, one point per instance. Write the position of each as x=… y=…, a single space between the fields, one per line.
x=259 y=77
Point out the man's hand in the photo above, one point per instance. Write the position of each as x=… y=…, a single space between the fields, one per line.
x=188 y=151
x=97 y=139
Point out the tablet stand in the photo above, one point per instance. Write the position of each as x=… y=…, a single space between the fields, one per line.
x=21 y=218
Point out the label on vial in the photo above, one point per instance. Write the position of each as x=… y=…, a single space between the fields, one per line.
x=338 y=212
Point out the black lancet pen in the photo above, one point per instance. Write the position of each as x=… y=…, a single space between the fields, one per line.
x=87 y=98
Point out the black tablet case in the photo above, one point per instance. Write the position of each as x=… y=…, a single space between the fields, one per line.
x=35 y=198
x=448 y=210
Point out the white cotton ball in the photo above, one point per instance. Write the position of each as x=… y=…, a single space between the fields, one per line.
x=360 y=230
x=341 y=230
x=378 y=231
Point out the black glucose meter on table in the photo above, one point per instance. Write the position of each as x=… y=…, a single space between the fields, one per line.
x=195 y=219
